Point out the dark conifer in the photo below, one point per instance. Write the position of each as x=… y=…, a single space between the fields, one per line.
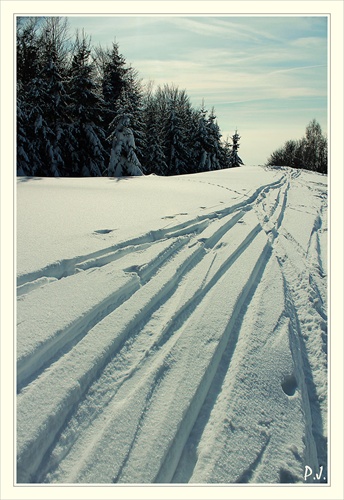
x=236 y=161
x=86 y=110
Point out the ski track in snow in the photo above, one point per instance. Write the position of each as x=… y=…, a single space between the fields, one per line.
x=183 y=320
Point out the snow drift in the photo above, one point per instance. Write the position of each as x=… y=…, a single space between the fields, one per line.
x=172 y=330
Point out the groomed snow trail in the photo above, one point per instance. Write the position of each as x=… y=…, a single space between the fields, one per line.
x=194 y=351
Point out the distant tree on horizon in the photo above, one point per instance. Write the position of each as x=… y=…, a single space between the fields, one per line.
x=235 y=160
x=309 y=152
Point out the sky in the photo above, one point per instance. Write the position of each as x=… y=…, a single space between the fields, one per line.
x=266 y=76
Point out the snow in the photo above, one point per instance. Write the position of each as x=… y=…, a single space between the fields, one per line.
x=172 y=329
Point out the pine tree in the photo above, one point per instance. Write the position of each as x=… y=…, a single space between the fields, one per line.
x=227 y=153
x=130 y=104
x=134 y=92
x=201 y=142
x=236 y=161
x=214 y=138
x=55 y=98
x=28 y=160
x=154 y=160
x=42 y=102
x=39 y=137
x=112 y=72
x=28 y=51
x=177 y=153
x=123 y=159
x=28 y=66
x=86 y=110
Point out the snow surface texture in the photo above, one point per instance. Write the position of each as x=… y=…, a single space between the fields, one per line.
x=172 y=330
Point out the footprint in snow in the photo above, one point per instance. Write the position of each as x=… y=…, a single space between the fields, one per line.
x=289 y=385
x=103 y=231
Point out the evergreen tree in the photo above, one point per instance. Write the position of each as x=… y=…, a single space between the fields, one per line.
x=112 y=71
x=177 y=154
x=123 y=159
x=39 y=137
x=227 y=153
x=174 y=104
x=54 y=95
x=122 y=94
x=235 y=160
x=28 y=44
x=154 y=160
x=201 y=142
x=41 y=96
x=197 y=158
x=214 y=138
x=28 y=66
x=28 y=160
x=86 y=110
x=131 y=103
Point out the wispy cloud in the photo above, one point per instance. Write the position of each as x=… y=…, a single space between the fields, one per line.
x=222 y=28
x=298 y=68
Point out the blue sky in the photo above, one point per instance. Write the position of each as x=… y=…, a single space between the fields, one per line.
x=265 y=75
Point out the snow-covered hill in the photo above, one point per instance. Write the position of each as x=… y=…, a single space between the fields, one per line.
x=173 y=330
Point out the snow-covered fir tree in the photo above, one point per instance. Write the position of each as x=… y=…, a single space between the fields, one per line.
x=35 y=136
x=201 y=144
x=235 y=160
x=176 y=132
x=214 y=138
x=29 y=43
x=227 y=153
x=177 y=153
x=31 y=128
x=130 y=102
x=113 y=74
x=54 y=73
x=86 y=109
x=123 y=159
x=153 y=152
x=112 y=71
x=28 y=144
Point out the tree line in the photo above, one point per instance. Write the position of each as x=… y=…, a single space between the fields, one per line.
x=73 y=98
x=309 y=152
